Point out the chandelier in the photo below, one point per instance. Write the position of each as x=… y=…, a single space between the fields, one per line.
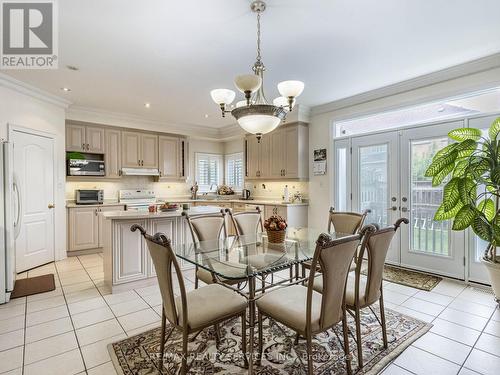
x=254 y=114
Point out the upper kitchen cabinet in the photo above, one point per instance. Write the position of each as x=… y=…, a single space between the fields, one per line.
x=85 y=138
x=139 y=150
x=282 y=154
x=257 y=157
x=113 y=153
x=172 y=151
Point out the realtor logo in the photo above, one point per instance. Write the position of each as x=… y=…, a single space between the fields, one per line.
x=29 y=39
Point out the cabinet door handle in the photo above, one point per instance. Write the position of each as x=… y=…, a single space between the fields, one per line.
x=284 y=172
x=88 y=147
x=83 y=146
x=95 y=212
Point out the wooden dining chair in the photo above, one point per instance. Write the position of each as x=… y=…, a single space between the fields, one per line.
x=342 y=222
x=308 y=312
x=192 y=311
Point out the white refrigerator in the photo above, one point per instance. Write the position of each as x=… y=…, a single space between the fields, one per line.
x=9 y=201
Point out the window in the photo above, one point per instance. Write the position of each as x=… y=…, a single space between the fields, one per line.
x=208 y=171
x=234 y=170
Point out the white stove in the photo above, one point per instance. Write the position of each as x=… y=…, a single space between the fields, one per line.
x=138 y=200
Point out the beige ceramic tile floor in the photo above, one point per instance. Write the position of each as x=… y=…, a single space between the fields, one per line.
x=66 y=331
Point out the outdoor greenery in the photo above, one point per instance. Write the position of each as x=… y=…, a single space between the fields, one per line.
x=472 y=194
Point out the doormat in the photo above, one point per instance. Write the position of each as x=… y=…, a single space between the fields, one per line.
x=33 y=285
x=138 y=355
x=406 y=277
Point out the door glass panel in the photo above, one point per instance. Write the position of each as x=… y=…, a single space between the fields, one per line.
x=427 y=235
x=341 y=171
x=373 y=183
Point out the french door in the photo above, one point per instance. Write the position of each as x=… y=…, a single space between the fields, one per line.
x=387 y=178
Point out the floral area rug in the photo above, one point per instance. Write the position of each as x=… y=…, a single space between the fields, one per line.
x=406 y=277
x=138 y=355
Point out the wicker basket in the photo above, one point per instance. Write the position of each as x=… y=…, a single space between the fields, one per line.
x=276 y=236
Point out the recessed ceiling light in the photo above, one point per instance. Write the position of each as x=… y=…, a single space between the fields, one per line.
x=147 y=105
x=206 y=115
x=72 y=67
x=67 y=89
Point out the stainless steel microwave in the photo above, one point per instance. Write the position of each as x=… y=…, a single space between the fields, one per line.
x=79 y=167
x=89 y=196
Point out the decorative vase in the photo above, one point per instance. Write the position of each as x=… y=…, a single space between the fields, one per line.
x=276 y=236
x=494 y=274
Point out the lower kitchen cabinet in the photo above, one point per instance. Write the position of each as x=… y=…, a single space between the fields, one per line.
x=130 y=248
x=85 y=226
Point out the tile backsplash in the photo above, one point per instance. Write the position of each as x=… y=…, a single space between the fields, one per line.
x=111 y=188
x=274 y=189
x=260 y=189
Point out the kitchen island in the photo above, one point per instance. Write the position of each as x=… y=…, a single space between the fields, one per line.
x=127 y=263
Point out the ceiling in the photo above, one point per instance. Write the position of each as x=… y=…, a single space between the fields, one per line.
x=172 y=53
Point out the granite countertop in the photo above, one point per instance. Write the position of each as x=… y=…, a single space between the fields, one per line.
x=125 y=215
x=108 y=204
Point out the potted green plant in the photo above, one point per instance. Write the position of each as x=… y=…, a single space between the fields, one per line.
x=470 y=167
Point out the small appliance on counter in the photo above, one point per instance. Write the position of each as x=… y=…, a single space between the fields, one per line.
x=245 y=194
x=89 y=196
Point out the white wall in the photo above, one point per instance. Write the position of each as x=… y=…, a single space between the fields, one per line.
x=320 y=136
x=23 y=110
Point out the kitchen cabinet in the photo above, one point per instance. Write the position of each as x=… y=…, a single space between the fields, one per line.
x=282 y=154
x=295 y=215
x=257 y=157
x=172 y=160
x=85 y=226
x=139 y=150
x=113 y=155
x=85 y=138
x=130 y=248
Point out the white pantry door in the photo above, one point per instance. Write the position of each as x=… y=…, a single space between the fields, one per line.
x=33 y=199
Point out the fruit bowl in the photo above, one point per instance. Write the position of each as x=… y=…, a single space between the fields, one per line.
x=166 y=207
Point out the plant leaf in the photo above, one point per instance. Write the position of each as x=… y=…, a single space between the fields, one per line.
x=460 y=168
x=482 y=228
x=441 y=175
x=467 y=190
x=466 y=148
x=487 y=207
x=494 y=129
x=461 y=134
x=495 y=175
x=445 y=150
x=464 y=218
x=441 y=215
x=451 y=195
x=438 y=163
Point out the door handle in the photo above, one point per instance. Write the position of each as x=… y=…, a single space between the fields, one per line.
x=17 y=223
x=393 y=208
x=404 y=209
x=51 y=205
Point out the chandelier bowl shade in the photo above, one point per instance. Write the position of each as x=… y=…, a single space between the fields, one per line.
x=222 y=96
x=290 y=88
x=259 y=118
x=248 y=83
x=281 y=101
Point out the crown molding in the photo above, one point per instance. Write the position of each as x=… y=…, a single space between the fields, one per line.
x=471 y=67
x=32 y=91
x=94 y=115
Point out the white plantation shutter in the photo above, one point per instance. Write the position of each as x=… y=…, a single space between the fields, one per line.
x=208 y=170
x=234 y=170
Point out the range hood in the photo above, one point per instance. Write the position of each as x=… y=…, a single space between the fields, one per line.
x=140 y=172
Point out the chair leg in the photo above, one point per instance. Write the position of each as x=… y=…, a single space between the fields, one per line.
x=310 y=369
x=382 y=319
x=261 y=339
x=358 y=337
x=244 y=337
x=346 y=345
x=263 y=282
x=184 y=352
x=196 y=277
x=217 y=335
x=297 y=337
x=162 y=343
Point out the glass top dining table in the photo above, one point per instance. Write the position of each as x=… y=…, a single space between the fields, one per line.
x=242 y=257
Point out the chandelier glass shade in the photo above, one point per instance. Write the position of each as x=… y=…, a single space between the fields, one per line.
x=254 y=114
